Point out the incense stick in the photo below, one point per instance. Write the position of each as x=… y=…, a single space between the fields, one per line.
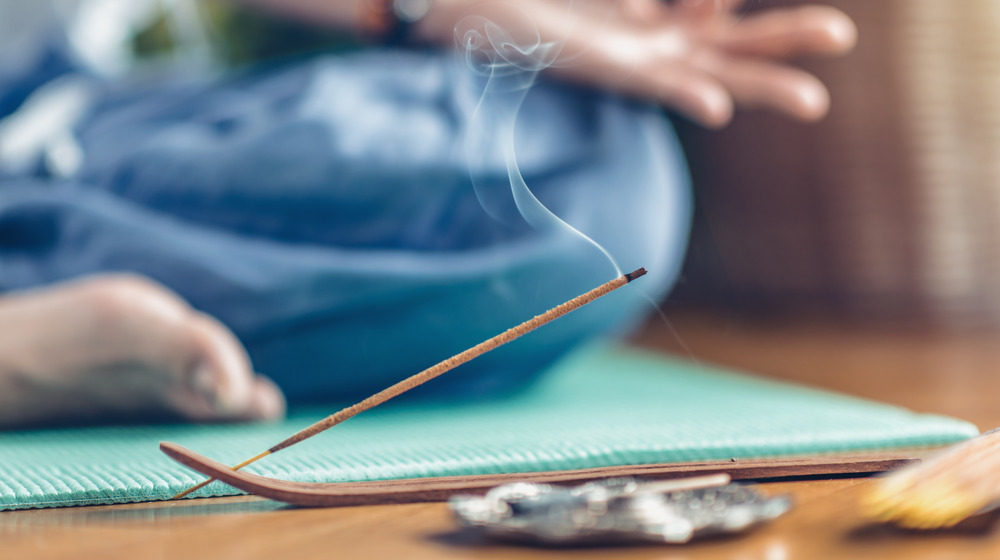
x=436 y=370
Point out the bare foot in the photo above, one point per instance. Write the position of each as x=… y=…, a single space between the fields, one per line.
x=122 y=347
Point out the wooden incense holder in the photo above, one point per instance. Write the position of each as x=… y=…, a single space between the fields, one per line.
x=312 y=494
x=437 y=370
x=424 y=489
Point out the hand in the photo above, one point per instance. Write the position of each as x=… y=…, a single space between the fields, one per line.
x=699 y=57
x=119 y=347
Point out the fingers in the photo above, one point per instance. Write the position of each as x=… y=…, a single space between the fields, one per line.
x=678 y=85
x=734 y=60
x=758 y=84
x=703 y=9
x=688 y=91
x=806 y=30
x=641 y=9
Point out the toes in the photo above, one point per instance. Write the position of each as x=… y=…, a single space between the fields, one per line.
x=222 y=355
x=123 y=347
x=210 y=376
x=96 y=348
x=125 y=318
x=267 y=403
x=221 y=384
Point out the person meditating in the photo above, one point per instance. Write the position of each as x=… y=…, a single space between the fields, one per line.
x=203 y=249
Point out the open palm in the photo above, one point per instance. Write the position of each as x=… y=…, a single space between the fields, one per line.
x=702 y=57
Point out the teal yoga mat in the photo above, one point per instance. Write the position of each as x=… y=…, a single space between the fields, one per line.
x=600 y=407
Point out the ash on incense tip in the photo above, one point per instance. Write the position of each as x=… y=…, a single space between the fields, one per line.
x=635 y=274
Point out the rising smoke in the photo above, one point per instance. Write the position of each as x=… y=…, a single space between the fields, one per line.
x=507 y=53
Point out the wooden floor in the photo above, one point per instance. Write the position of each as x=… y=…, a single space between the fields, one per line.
x=956 y=374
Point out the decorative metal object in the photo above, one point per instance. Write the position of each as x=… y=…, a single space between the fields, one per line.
x=614 y=510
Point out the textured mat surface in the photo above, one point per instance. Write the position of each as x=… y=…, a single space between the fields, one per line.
x=601 y=407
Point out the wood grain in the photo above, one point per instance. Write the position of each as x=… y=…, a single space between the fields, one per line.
x=936 y=372
x=824 y=525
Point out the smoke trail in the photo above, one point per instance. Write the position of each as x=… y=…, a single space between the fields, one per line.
x=508 y=58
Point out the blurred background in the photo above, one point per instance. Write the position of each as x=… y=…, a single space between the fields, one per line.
x=115 y=36
x=886 y=211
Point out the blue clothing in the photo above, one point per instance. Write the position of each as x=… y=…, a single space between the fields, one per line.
x=324 y=211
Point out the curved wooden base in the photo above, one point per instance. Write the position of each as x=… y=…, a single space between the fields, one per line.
x=314 y=494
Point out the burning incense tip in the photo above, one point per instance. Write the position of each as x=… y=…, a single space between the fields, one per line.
x=436 y=370
x=635 y=274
